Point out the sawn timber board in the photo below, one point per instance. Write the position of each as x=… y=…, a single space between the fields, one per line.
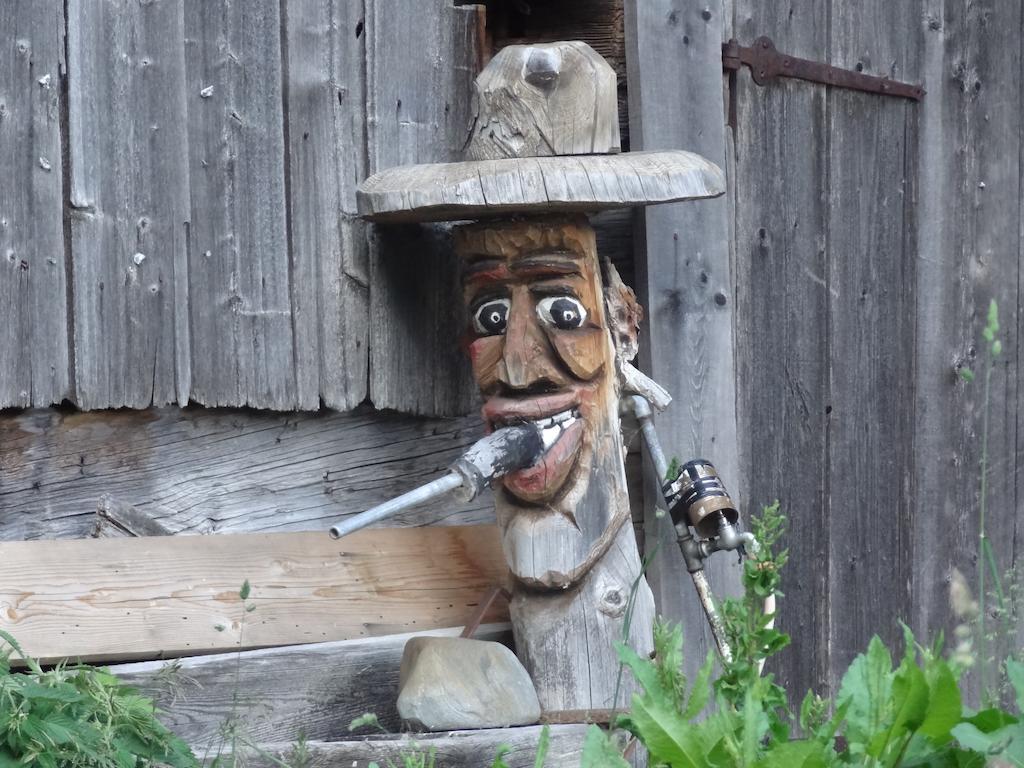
x=139 y=598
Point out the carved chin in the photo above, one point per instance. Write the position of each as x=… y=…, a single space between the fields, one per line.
x=544 y=480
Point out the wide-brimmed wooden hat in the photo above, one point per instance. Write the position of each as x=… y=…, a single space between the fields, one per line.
x=545 y=140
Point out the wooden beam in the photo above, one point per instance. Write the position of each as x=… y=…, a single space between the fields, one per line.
x=455 y=749
x=223 y=471
x=104 y=599
x=279 y=694
x=684 y=279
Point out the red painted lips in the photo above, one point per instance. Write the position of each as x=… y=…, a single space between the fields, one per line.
x=545 y=478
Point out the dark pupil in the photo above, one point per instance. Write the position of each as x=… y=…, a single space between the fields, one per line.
x=492 y=317
x=565 y=313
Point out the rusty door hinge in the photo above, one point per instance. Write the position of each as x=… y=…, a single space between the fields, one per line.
x=766 y=63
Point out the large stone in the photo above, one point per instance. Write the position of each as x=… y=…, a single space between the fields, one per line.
x=453 y=683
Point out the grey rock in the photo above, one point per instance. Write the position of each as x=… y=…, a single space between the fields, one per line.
x=453 y=683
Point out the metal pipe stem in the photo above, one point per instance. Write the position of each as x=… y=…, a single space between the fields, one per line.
x=431 y=490
x=707 y=602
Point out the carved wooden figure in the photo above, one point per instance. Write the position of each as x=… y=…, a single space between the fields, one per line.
x=542 y=350
x=552 y=331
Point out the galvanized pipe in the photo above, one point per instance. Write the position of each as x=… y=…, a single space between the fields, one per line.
x=431 y=490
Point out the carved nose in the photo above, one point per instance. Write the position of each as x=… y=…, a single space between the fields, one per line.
x=526 y=355
x=542 y=66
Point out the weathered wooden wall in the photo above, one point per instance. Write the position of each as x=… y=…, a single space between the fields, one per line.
x=869 y=236
x=210 y=264
x=178 y=220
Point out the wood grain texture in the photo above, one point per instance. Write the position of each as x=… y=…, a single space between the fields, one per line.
x=326 y=133
x=968 y=233
x=421 y=59
x=782 y=341
x=104 y=599
x=240 y=313
x=314 y=690
x=203 y=471
x=471 y=190
x=129 y=202
x=598 y=23
x=544 y=99
x=684 y=279
x=455 y=749
x=871 y=321
x=34 y=358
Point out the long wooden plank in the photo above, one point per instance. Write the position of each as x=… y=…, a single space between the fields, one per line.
x=209 y=471
x=129 y=208
x=969 y=241
x=421 y=58
x=871 y=323
x=240 y=312
x=33 y=286
x=280 y=694
x=326 y=133
x=455 y=749
x=685 y=281
x=782 y=341
x=127 y=598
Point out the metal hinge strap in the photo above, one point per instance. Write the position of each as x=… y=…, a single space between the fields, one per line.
x=766 y=63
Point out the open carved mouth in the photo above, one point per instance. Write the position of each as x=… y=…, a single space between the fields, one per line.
x=557 y=416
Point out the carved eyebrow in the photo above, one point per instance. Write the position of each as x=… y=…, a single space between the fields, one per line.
x=484 y=269
x=547 y=264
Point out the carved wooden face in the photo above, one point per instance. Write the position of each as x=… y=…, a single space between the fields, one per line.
x=541 y=351
x=537 y=341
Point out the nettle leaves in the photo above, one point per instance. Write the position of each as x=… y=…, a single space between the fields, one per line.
x=79 y=716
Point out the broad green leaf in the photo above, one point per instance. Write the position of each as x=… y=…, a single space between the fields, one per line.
x=755 y=726
x=971 y=738
x=61 y=692
x=643 y=670
x=245 y=590
x=656 y=719
x=599 y=751
x=944 y=705
x=794 y=754
x=865 y=689
x=701 y=691
x=909 y=703
x=989 y=720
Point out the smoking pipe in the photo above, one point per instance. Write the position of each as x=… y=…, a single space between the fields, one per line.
x=504 y=450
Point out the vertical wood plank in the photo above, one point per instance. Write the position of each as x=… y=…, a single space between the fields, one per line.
x=421 y=61
x=129 y=201
x=34 y=367
x=782 y=341
x=871 y=160
x=969 y=238
x=326 y=160
x=674 y=65
x=239 y=272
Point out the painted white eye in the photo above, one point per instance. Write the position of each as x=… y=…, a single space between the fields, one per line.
x=491 y=317
x=562 y=312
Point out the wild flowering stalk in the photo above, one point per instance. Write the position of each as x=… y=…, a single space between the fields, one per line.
x=987 y=642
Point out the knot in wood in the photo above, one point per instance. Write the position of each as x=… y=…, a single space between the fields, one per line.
x=613 y=601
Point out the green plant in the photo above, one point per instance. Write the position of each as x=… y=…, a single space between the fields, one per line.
x=79 y=716
x=417 y=757
x=993 y=621
x=884 y=716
